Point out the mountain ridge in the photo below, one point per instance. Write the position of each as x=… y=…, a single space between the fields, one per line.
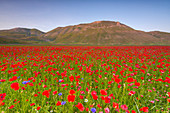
x=95 y=33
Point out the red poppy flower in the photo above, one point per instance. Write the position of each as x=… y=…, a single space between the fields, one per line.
x=72 y=91
x=2 y=103
x=168 y=99
x=144 y=109
x=71 y=78
x=15 y=86
x=107 y=99
x=55 y=92
x=103 y=92
x=129 y=80
x=102 y=97
x=71 y=98
x=117 y=80
x=137 y=83
x=12 y=106
x=35 y=95
x=93 y=93
x=80 y=106
x=132 y=93
x=95 y=97
x=13 y=78
x=116 y=105
x=58 y=103
x=38 y=108
x=81 y=97
x=32 y=104
x=142 y=78
x=169 y=94
x=124 y=107
x=46 y=93
x=2 y=80
x=133 y=111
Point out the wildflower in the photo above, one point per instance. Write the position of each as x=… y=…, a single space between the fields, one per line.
x=144 y=109
x=168 y=99
x=25 y=82
x=55 y=92
x=32 y=104
x=46 y=93
x=103 y=92
x=44 y=86
x=15 y=86
x=81 y=97
x=71 y=78
x=2 y=96
x=12 y=106
x=80 y=106
x=71 y=98
x=107 y=110
x=95 y=97
x=2 y=80
x=152 y=101
x=124 y=107
x=116 y=105
x=132 y=93
x=72 y=91
x=133 y=111
x=129 y=80
x=35 y=95
x=60 y=94
x=63 y=102
x=93 y=110
x=38 y=108
x=93 y=93
x=58 y=103
x=13 y=78
x=2 y=103
x=85 y=100
x=82 y=92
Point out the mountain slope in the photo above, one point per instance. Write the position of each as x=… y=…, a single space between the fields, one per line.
x=95 y=33
x=20 y=35
x=105 y=33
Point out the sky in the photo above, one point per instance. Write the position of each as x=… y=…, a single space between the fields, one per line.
x=45 y=15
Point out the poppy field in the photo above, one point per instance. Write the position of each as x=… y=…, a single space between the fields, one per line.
x=67 y=79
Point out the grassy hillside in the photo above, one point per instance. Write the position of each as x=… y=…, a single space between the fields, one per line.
x=95 y=33
x=105 y=33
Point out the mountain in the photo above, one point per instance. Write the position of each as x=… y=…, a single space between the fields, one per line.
x=105 y=33
x=95 y=33
x=20 y=35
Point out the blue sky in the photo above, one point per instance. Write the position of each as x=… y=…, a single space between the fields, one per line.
x=45 y=15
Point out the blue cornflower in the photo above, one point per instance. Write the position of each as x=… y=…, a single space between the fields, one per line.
x=60 y=80
x=82 y=78
x=25 y=82
x=93 y=110
x=18 y=77
x=60 y=94
x=63 y=102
